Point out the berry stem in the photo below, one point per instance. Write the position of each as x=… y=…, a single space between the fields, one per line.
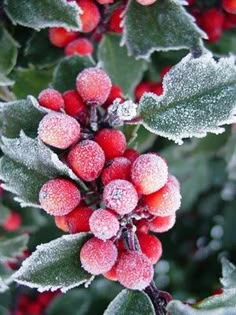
x=159 y=298
x=93 y=118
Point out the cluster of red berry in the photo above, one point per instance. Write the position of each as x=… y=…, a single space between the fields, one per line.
x=214 y=20
x=127 y=192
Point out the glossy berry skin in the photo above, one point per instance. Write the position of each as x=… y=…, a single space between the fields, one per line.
x=114 y=24
x=142 y=88
x=104 y=224
x=59 y=196
x=87 y=160
x=150 y=246
x=120 y=196
x=165 y=201
x=61 y=223
x=80 y=46
x=134 y=270
x=229 y=6
x=60 y=37
x=12 y=222
x=93 y=85
x=59 y=130
x=162 y=224
x=97 y=256
x=75 y=106
x=52 y=99
x=149 y=173
x=116 y=92
x=118 y=169
x=131 y=155
x=112 y=141
x=111 y=274
x=212 y=23
x=157 y=88
x=90 y=16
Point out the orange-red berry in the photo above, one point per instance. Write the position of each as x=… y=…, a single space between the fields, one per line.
x=60 y=37
x=150 y=246
x=80 y=46
x=131 y=154
x=78 y=219
x=12 y=222
x=229 y=6
x=90 y=16
x=75 y=106
x=114 y=24
x=118 y=169
x=52 y=99
x=162 y=224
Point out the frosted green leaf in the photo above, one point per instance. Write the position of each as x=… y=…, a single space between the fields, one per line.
x=199 y=97
x=229 y=275
x=164 y=25
x=44 y=13
x=123 y=70
x=11 y=247
x=226 y=299
x=55 y=265
x=4 y=81
x=130 y=303
x=28 y=163
x=5 y=277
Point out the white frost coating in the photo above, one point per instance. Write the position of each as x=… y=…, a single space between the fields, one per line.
x=122 y=111
x=229 y=274
x=35 y=103
x=199 y=97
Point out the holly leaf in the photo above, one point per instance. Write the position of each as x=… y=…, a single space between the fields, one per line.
x=28 y=163
x=11 y=247
x=4 y=81
x=229 y=274
x=130 y=302
x=5 y=277
x=55 y=265
x=199 y=97
x=65 y=73
x=44 y=13
x=123 y=70
x=164 y=25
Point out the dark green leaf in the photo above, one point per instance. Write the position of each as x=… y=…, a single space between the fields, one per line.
x=4 y=81
x=8 y=51
x=11 y=247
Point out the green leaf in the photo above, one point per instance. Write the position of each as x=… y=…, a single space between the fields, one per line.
x=8 y=51
x=123 y=70
x=43 y=13
x=229 y=237
x=164 y=25
x=27 y=165
x=67 y=70
x=55 y=265
x=5 y=277
x=4 y=213
x=229 y=274
x=19 y=115
x=226 y=299
x=4 y=81
x=130 y=302
x=199 y=97
x=11 y=247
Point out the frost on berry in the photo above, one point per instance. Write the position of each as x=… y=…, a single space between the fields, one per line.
x=112 y=141
x=118 y=169
x=104 y=224
x=97 y=256
x=59 y=130
x=134 y=270
x=162 y=224
x=150 y=246
x=87 y=160
x=78 y=219
x=51 y=99
x=59 y=196
x=146 y=2
x=90 y=16
x=120 y=196
x=149 y=173
x=165 y=201
x=94 y=86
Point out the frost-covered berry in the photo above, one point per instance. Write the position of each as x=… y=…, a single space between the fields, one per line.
x=229 y=6
x=59 y=130
x=104 y=224
x=94 y=86
x=97 y=256
x=80 y=46
x=120 y=196
x=59 y=196
x=114 y=24
x=90 y=16
x=131 y=154
x=146 y=2
x=87 y=160
x=52 y=99
x=150 y=246
x=134 y=270
x=149 y=173
x=78 y=219
x=60 y=37
x=162 y=224
x=112 y=141
x=75 y=106
x=165 y=201
x=12 y=222
x=118 y=169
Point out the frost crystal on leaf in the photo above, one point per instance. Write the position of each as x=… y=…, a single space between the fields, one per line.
x=199 y=97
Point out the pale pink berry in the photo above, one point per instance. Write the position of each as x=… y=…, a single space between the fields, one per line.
x=146 y=2
x=162 y=224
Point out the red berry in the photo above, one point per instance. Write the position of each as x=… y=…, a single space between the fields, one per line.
x=120 y=196
x=114 y=24
x=78 y=219
x=59 y=196
x=60 y=37
x=87 y=160
x=162 y=224
x=74 y=105
x=134 y=270
x=12 y=222
x=150 y=246
x=146 y=2
x=105 y=1
x=165 y=201
x=104 y=224
x=142 y=88
x=111 y=274
x=131 y=155
x=80 y=46
x=94 y=86
x=142 y=226
x=34 y=308
x=97 y=256
x=59 y=130
x=115 y=92
x=90 y=16
x=112 y=141
x=212 y=23
x=61 y=223
x=164 y=71
x=229 y=6
x=51 y=99
x=118 y=169
x=149 y=172
x=157 y=88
